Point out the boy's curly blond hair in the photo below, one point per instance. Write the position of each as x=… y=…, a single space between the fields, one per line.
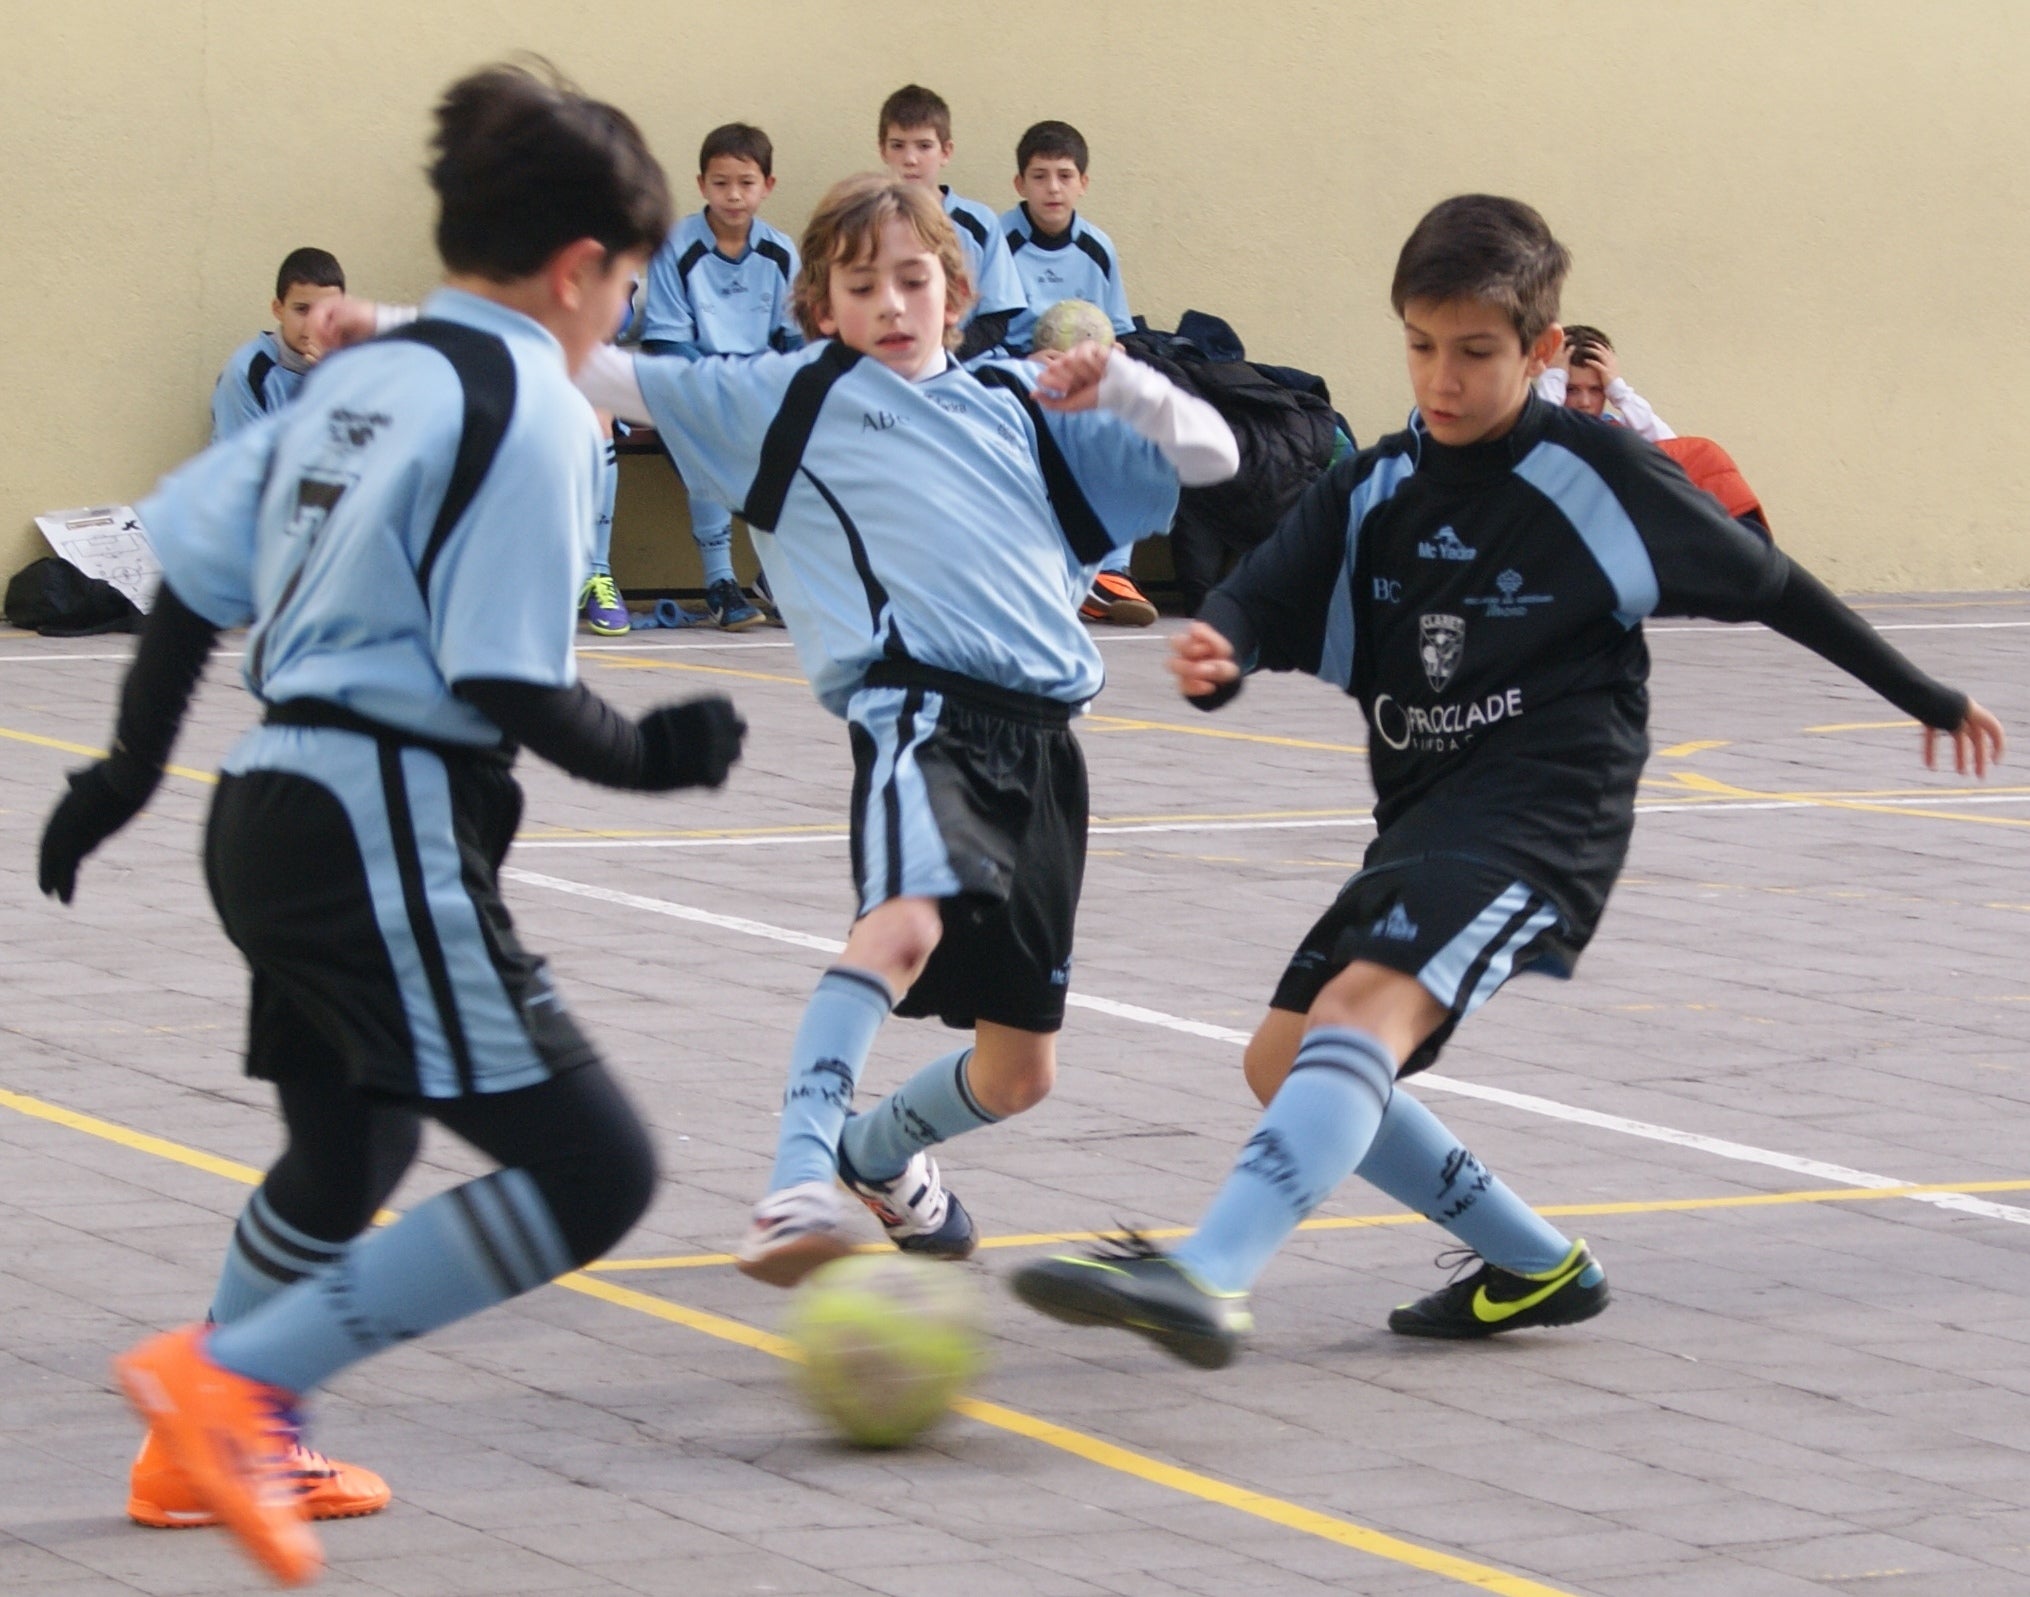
x=846 y=229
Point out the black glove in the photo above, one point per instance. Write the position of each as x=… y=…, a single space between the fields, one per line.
x=92 y=811
x=693 y=744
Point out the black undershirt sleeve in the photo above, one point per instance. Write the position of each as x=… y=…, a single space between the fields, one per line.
x=168 y=662
x=1272 y=606
x=982 y=333
x=1806 y=611
x=573 y=728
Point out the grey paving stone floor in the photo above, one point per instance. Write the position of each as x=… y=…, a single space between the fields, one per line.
x=1812 y=980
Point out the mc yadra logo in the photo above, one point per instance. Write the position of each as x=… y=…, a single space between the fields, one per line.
x=1444 y=545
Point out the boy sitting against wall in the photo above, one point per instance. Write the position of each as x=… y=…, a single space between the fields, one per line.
x=1060 y=255
x=263 y=374
x=720 y=285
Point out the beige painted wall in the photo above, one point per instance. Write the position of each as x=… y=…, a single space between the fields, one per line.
x=1806 y=222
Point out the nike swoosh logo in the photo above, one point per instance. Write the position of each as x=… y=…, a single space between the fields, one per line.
x=1490 y=1312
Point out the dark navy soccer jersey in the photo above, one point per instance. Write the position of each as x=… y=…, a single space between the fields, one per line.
x=996 y=284
x=1484 y=605
x=253 y=383
x=943 y=521
x=1079 y=263
x=726 y=307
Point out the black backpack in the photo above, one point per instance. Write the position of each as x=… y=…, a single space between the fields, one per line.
x=1287 y=430
x=52 y=597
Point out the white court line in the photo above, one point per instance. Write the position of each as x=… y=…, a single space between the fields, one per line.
x=1720 y=1147
x=666 y=646
x=1102 y=829
x=1885 y=626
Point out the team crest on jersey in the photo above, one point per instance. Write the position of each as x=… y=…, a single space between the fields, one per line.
x=1440 y=643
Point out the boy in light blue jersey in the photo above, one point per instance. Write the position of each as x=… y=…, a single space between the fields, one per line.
x=263 y=374
x=915 y=141
x=1059 y=255
x=927 y=530
x=406 y=541
x=720 y=285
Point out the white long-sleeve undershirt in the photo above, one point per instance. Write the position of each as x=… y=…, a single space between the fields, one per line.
x=1631 y=407
x=1192 y=436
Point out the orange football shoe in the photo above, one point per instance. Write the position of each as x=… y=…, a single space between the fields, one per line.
x=1115 y=598
x=233 y=1438
x=159 y=1493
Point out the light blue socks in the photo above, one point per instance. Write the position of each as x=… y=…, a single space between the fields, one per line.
x=266 y=1255
x=602 y=521
x=1315 y=1131
x=462 y=1251
x=829 y=1053
x=712 y=531
x=1420 y=1164
x=933 y=1106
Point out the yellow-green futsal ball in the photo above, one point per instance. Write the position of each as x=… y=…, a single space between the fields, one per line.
x=1069 y=323
x=887 y=1342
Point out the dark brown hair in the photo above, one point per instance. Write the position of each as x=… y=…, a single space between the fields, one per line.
x=846 y=228
x=1486 y=248
x=524 y=164
x=1051 y=139
x=741 y=140
x=914 y=106
x=318 y=268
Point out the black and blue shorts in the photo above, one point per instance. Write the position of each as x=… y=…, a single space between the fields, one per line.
x=974 y=796
x=1459 y=924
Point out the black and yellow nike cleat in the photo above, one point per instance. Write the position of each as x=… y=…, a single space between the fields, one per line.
x=1491 y=1300
x=1139 y=1288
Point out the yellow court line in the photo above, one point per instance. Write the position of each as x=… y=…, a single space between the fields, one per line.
x=1118 y=723
x=1125 y=1461
x=1275 y=1510
x=91 y=753
x=1862 y=726
x=1727 y=790
x=1359 y=1222
x=1677 y=751
x=636 y=662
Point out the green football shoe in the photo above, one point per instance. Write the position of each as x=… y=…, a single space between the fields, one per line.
x=1491 y=1300
x=1136 y=1286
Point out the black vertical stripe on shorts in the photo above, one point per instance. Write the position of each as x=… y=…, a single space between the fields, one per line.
x=415 y=899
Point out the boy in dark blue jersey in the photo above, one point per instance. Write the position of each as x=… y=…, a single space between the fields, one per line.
x=1477 y=583
x=1059 y=255
x=720 y=285
x=263 y=374
x=915 y=141
x=407 y=541
x=927 y=530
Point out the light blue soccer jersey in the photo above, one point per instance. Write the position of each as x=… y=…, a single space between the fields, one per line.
x=315 y=524
x=1079 y=263
x=253 y=383
x=725 y=307
x=915 y=522
x=995 y=280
